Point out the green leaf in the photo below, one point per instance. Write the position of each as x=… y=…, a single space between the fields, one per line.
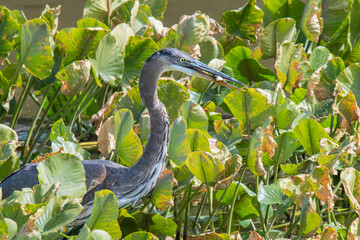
x=243 y=22
x=9 y=30
x=232 y=167
x=161 y=196
x=91 y=23
x=311 y=22
x=178 y=148
x=104 y=214
x=172 y=94
x=157 y=7
x=203 y=166
x=298 y=168
x=247 y=69
x=14 y=211
x=275 y=34
x=310 y=220
x=228 y=42
x=36 y=53
x=7 y=134
x=250 y=108
x=349 y=79
x=309 y=132
x=66 y=169
x=71 y=147
x=197 y=140
x=8 y=92
x=144 y=126
x=287 y=144
x=335 y=15
x=276 y=9
x=102 y=10
x=270 y=194
x=50 y=15
x=141 y=235
x=316 y=109
x=286 y=112
x=58 y=212
x=59 y=129
x=79 y=42
x=192 y=29
x=127 y=222
x=128 y=145
x=74 y=77
x=229 y=132
x=298 y=95
x=194 y=116
x=139 y=20
x=132 y=101
x=319 y=56
x=247 y=207
x=354 y=23
x=137 y=50
x=87 y=234
x=122 y=32
x=155 y=223
x=3 y=227
x=210 y=48
x=230 y=192
x=12 y=228
x=108 y=61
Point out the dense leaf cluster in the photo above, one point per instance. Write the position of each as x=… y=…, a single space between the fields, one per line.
x=276 y=160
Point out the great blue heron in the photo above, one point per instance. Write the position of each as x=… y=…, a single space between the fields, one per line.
x=130 y=184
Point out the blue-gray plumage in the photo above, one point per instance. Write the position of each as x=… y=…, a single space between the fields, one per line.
x=130 y=184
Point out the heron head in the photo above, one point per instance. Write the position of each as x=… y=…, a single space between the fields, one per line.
x=172 y=59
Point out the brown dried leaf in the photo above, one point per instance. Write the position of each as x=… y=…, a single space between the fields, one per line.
x=235 y=236
x=321 y=184
x=194 y=51
x=269 y=144
x=47 y=155
x=30 y=227
x=215 y=28
x=105 y=111
x=329 y=233
x=353 y=230
x=255 y=236
x=348 y=109
x=106 y=139
x=296 y=187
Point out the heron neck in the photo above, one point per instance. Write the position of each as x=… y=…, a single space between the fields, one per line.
x=152 y=161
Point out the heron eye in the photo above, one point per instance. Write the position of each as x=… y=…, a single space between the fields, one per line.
x=181 y=60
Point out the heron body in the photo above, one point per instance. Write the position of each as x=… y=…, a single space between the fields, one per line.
x=129 y=184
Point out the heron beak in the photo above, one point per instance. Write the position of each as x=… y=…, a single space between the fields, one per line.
x=204 y=71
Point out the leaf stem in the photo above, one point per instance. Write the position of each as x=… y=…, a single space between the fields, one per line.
x=36 y=117
x=189 y=199
x=21 y=102
x=212 y=214
x=231 y=210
